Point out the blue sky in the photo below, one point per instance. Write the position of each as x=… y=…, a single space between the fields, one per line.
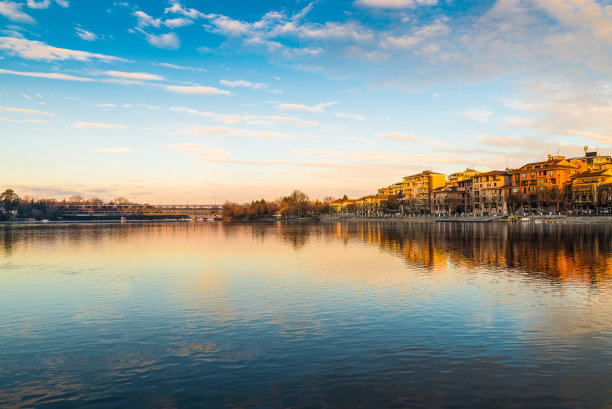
x=203 y=101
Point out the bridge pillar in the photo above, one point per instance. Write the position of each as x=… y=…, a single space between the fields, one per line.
x=123 y=219
x=194 y=218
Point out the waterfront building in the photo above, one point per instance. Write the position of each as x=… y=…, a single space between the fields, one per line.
x=539 y=186
x=395 y=189
x=454 y=178
x=384 y=191
x=592 y=161
x=374 y=205
x=449 y=200
x=490 y=193
x=585 y=189
x=336 y=206
x=416 y=191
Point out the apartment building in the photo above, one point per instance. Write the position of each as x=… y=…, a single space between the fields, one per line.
x=416 y=191
x=585 y=189
x=490 y=192
x=540 y=186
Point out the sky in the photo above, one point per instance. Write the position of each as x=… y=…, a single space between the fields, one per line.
x=200 y=101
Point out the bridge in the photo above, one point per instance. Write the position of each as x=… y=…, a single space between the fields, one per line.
x=139 y=210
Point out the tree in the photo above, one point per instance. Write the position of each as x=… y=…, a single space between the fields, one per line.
x=121 y=200
x=75 y=199
x=9 y=201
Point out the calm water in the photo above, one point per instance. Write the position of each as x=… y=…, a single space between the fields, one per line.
x=306 y=315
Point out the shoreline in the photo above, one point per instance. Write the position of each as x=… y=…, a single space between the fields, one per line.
x=550 y=219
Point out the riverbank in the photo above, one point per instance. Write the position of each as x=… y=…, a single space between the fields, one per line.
x=583 y=219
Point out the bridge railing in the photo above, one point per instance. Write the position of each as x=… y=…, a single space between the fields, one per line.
x=139 y=209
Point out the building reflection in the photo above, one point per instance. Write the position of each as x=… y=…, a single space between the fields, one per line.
x=558 y=252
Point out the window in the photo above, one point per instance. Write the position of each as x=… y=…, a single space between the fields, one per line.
x=532 y=174
x=515 y=190
x=542 y=181
x=524 y=175
x=551 y=173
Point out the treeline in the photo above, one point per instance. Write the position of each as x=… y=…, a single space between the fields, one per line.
x=14 y=207
x=297 y=204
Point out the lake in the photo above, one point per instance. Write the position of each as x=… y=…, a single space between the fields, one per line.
x=306 y=315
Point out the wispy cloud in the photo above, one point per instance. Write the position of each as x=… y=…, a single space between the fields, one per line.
x=226 y=131
x=178 y=67
x=202 y=152
x=350 y=116
x=250 y=119
x=23 y=121
x=50 y=75
x=196 y=90
x=480 y=114
x=395 y=4
x=309 y=108
x=37 y=50
x=400 y=136
x=114 y=150
x=12 y=11
x=134 y=75
x=25 y=111
x=84 y=34
x=97 y=125
x=244 y=84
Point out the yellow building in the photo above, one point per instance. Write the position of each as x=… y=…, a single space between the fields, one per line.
x=416 y=191
x=592 y=161
x=384 y=191
x=336 y=206
x=455 y=178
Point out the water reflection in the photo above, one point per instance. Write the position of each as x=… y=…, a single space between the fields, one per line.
x=558 y=252
x=305 y=315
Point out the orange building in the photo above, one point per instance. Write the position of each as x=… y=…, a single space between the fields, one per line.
x=539 y=186
x=490 y=193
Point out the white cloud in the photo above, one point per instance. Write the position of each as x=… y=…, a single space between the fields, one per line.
x=113 y=150
x=266 y=120
x=134 y=75
x=225 y=131
x=177 y=22
x=178 y=67
x=169 y=41
x=202 y=152
x=63 y=3
x=196 y=90
x=350 y=116
x=145 y=20
x=85 y=35
x=50 y=75
x=43 y=4
x=399 y=136
x=309 y=108
x=25 y=111
x=177 y=8
x=23 y=121
x=12 y=11
x=395 y=4
x=481 y=114
x=97 y=125
x=242 y=83
x=37 y=50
